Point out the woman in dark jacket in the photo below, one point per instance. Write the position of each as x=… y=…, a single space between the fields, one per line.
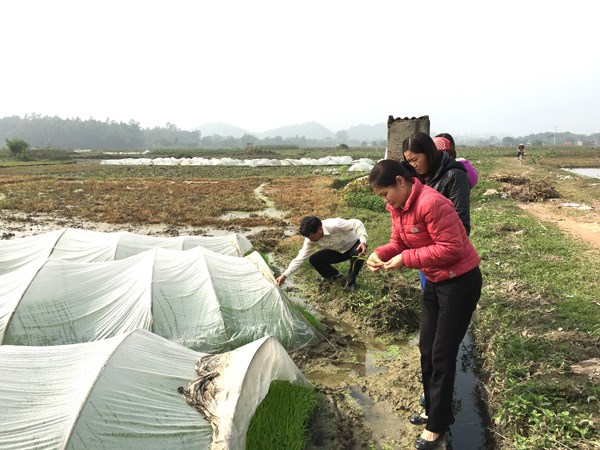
x=438 y=170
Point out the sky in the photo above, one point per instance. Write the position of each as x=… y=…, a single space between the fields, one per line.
x=474 y=67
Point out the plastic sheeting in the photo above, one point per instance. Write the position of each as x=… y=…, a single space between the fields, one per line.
x=200 y=299
x=89 y=246
x=260 y=162
x=122 y=393
x=362 y=165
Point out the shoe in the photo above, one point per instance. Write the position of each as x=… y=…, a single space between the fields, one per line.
x=350 y=286
x=417 y=419
x=422 y=400
x=338 y=278
x=422 y=444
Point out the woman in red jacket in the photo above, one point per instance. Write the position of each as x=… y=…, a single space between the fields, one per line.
x=428 y=234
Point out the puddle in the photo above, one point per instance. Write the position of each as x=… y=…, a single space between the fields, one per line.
x=590 y=172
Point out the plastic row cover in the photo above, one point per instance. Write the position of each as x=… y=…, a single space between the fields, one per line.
x=122 y=393
x=93 y=246
x=197 y=298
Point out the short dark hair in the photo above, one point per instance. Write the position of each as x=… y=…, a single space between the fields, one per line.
x=384 y=173
x=309 y=225
x=452 y=150
x=422 y=143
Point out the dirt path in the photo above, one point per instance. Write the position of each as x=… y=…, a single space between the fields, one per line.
x=572 y=219
x=581 y=220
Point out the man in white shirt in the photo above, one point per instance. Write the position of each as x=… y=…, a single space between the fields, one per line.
x=338 y=240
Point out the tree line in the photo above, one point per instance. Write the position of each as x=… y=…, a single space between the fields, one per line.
x=45 y=132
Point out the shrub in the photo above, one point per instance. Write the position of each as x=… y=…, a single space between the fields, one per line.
x=17 y=147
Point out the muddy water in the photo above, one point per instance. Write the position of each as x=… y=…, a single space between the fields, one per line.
x=469 y=430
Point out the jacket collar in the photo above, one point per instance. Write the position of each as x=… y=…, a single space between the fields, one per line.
x=446 y=163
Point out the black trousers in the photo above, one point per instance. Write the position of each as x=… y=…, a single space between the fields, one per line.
x=323 y=259
x=446 y=311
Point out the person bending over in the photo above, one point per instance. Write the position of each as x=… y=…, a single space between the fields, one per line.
x=427 y=234
x=336 y=240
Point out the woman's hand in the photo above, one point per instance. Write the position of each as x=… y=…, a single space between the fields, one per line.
x=395 y=263
x=374 y=263
x=362 y=248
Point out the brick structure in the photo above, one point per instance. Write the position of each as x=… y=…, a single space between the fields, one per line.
x=399 y=129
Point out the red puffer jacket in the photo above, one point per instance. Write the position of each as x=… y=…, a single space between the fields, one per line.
x=430 y=236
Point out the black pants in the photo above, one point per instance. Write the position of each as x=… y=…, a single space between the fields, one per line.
x=323 y=259
x=446 y=311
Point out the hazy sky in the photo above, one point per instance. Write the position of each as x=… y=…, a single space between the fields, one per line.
x=508 y=67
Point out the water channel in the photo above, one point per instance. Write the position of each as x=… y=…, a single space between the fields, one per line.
x=590 y=172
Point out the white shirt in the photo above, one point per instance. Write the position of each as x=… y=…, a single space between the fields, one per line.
x=338 y=234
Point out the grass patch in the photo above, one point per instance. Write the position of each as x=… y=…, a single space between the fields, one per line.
x=281 y=420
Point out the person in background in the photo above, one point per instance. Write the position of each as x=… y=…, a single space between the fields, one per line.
x=520 y=153
x=337 y=240
x=446 y=143
x=428 y=234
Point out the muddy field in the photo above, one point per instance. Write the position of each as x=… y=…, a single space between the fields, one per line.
x=370 y=391
x=370 y=380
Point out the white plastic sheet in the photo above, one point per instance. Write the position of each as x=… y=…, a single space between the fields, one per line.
x=122 y=393
x=89 y=246
x=201 y=299
x=261 y=162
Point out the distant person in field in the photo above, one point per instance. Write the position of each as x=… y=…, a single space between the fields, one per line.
x=520 y=153
x=446 y=143
x=336 y=240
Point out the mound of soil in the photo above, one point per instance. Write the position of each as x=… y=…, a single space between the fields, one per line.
x=526 y=190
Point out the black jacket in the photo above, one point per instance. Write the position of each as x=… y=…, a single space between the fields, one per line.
x=451 y=180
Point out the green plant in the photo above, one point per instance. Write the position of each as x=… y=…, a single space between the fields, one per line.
x=311 y=318
x=365 y=200
x=17 y=147
x=542 y=422
x=280 y=421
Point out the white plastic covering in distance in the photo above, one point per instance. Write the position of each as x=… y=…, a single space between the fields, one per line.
x=122 y=393
x=260 y=162
x=362 y=165
x=74 y=244
x=200 y=299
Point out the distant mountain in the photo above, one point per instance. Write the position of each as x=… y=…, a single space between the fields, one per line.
x=310 y=130
x=222 y=129
x=368 y=133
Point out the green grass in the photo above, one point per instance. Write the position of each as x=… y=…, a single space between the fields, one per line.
x=539 y=313
x=280 y=421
